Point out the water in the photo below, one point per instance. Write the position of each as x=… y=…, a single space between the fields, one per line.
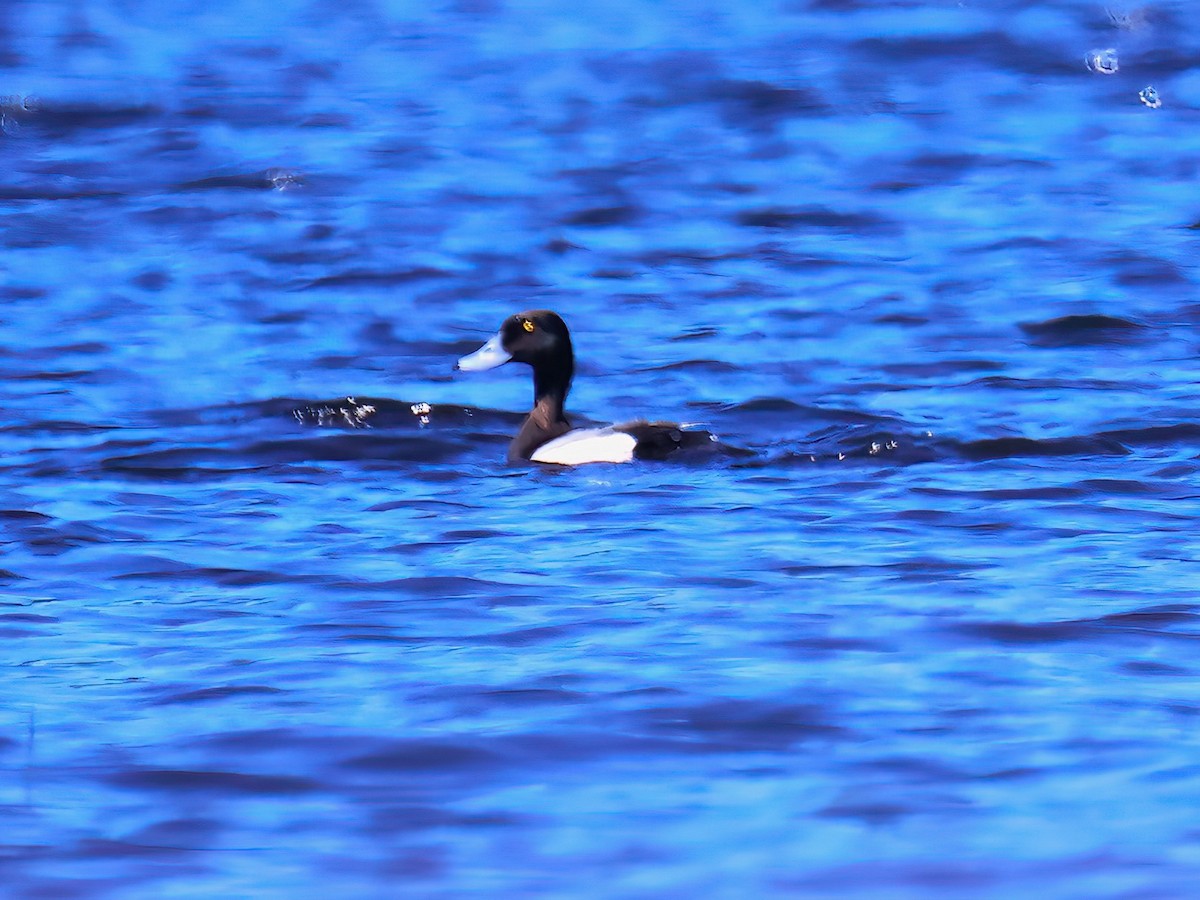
x=931 y=634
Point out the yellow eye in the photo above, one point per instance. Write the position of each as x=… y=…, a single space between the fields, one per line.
x=527 y=325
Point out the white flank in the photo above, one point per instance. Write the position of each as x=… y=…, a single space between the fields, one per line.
x=587 y=445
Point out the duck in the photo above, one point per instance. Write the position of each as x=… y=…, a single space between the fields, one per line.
x=540 y=339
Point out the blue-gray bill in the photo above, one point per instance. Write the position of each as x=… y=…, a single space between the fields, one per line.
x=488 y=356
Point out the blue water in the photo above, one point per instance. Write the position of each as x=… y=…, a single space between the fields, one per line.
x=928 y=629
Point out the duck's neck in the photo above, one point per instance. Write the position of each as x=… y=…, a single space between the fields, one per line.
x=546 y=420
x=550 y=394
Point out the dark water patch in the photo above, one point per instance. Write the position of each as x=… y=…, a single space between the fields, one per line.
x=787 y=261
x=60 y=376
x=532 y=698
x=528 y=637
x=56 y=539
x=1183 y=711
x=152 y=280
x=1152 y=616
x=19 y=625
x=902 y=319
x=1120 y=486
x=183 y=217
x=730 y=725
x=360 y=634
x=15 y=193
x=1155 y=669
x=775 y=414
x=603 y=216
x=714 y=366
x=1022 y=242
x=989 y=48
x=1013 y=447
x=823 y=570
x=614 y=274
x=827 y=647
x=439 y=587
x=1136 y=270
x=192 y=832
x=404 y=818
x=912 y=769
x=1009 y=383
x=373 y=278
x=872 y=811
x=228 y=577
x=208 y=695
x=429 y=757
x=98 y=850
x=1022 y=633
x=266 y=180
x=933 y=168
x=757 y=104
x=769 y=405
x=27 y=617
x=196 y=463
x=430 y=506
x=1176 y=470
x=181 y=465
x=926 y=568
x=62 y=120
x=676 y=78
x=694 y=334
x=79 y=887
x=472 y=534
x=1005 y=494
x=214 y=783
x=19 y=292
x=144 y=567
x=690 y=256
x=1163 y=435
x=778 y=218
x=885 y=877
x=1083 y=331
x=478 y=699
x=1172 y=621
x=24 y=516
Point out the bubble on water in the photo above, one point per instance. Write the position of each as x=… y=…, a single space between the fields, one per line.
x=421 y=411
x=1103 y=62
x=282 y=180
x=351 y=415
x=12 y=108
x=1127 y=19
x=1149 y=96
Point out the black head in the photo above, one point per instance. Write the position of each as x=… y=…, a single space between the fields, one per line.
x=538 y=338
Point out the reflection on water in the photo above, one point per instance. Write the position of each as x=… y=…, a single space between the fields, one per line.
x=929 y=279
